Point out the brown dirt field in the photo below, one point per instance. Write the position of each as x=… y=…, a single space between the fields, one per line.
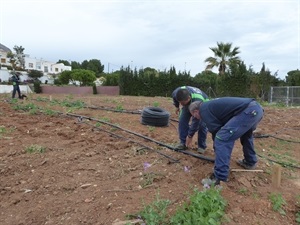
x=88 y=176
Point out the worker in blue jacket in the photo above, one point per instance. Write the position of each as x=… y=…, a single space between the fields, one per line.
x=229 y=119
x=16 y=88
x=184 y=96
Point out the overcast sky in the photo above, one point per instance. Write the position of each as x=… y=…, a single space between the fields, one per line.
x=155 y=33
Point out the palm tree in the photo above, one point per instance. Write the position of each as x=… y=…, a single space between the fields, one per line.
x=223 y=57
x=20 y=56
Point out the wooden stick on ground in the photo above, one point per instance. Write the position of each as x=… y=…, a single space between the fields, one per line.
x=244 y=170
x=276 y=176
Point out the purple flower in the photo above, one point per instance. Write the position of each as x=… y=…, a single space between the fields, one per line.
x=186 y=169
x=146 y=165
x=206 y=186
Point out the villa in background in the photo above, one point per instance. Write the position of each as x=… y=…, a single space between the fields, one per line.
x=49 y=69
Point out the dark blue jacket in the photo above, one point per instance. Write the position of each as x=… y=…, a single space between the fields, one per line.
x=196 y=95
x=15 y=79
x=217 y=112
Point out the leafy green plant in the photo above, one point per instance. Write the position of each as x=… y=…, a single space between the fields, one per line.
x=74 y=104
x=2 y=130
x=77 y=104
x=105 y=119
x=41 y=99
x=49 y=112
x=151 y=128
x=98 y=124
x=204 y=207
x=156 y=104
x=25 y=107
x=35 y=149
x=119 y=108
x=156 y=212
x=277 y=202
x=33 y=111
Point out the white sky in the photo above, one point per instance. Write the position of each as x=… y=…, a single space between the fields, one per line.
x=155 y=33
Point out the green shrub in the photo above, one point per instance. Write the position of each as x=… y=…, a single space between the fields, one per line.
x=94 y=89
x=37 y=87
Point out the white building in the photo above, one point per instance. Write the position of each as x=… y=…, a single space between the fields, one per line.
x=49 y=69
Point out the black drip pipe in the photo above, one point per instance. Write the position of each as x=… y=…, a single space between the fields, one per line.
x=121 y=111
x=147 y=138
x=130 y=140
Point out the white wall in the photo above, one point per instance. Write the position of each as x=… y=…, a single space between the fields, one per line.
x=8 y=89
x=4 y=74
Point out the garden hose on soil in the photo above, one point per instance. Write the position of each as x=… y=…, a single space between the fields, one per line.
x=147 y=138
x=130 y=140
x=152 y=116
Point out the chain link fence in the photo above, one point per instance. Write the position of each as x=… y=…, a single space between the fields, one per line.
x=287 y=95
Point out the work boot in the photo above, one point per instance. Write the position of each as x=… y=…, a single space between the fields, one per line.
x=181 y=147
x=215 y=180
x=212 y=180
x=245 y=165
x=201 y=150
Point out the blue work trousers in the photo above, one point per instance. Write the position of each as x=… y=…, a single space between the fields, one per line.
x=198 y=125
x=16 y=88
x=240 y=126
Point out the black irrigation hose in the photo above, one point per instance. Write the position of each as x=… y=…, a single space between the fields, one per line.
x=147 y=138
x=144 y=146
x=122 y=111
x=281 y=163
x=114 y=110
x=269 y=135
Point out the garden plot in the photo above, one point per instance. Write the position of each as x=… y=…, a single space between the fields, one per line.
x=60 y=169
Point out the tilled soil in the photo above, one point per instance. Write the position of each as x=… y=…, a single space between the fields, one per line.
x=59 y=168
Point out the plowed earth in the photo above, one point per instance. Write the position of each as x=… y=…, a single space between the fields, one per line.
x=87 y=172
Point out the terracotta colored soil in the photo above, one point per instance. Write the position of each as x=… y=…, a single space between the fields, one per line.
x=93 y=173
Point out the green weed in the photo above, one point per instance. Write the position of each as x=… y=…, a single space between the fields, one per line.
x=33 y=111
x=35 y=149
x=2 y=130
x=151 y=128
x=156 y=104
x=204 y=207
x=77 y=104
x=104 y=119
x=277 y=202
x=149 y=178
x=119 y=108
x=49 y=112
x=25 y=107
x=156 y=212
x=243 y=191
x=41 y=99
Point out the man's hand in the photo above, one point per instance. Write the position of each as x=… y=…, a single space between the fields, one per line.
x=189 y=141
x=177 y=111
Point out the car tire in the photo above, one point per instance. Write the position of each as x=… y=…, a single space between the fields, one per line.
x=155 y=116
